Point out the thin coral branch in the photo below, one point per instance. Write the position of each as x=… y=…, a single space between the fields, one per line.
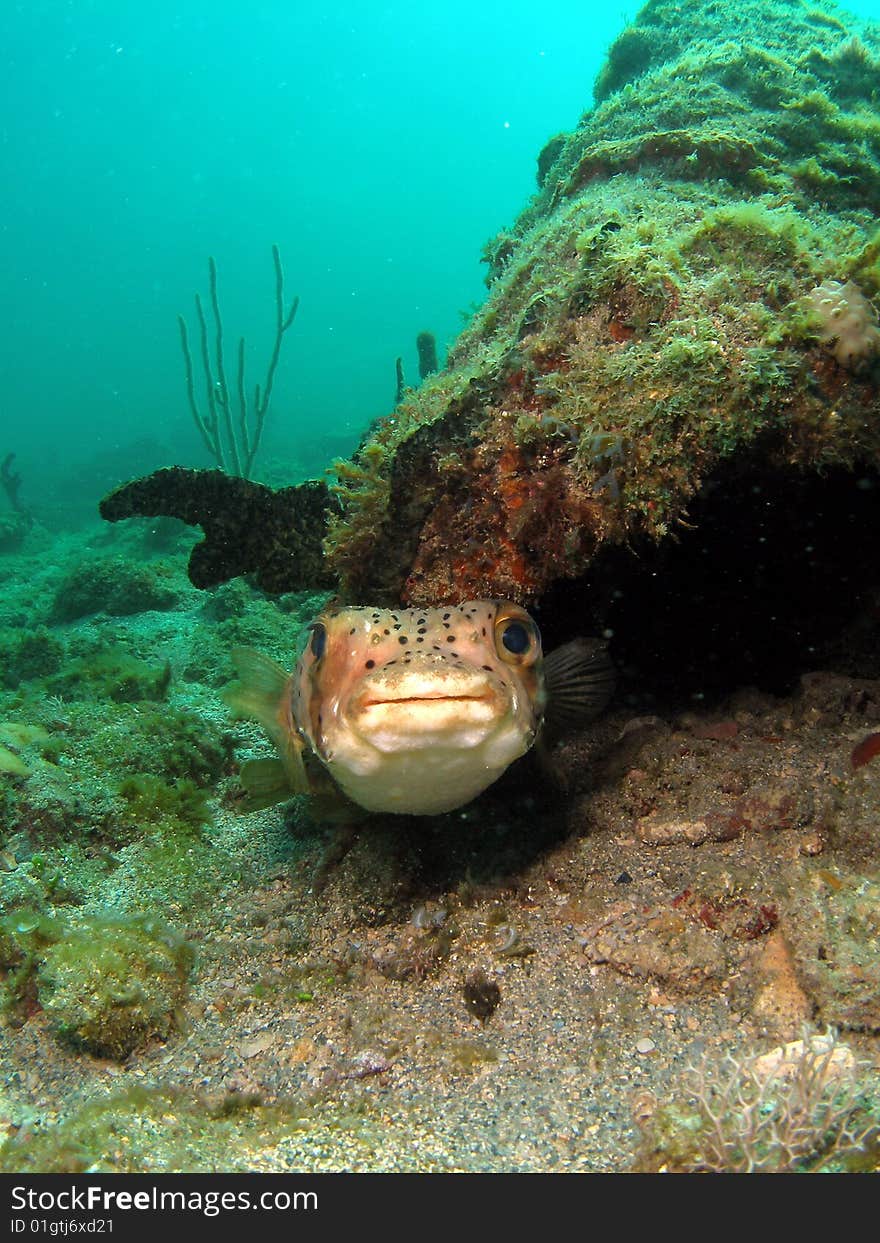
x=221 y=388
x=282 y=323
x=243 y=431
x=232 y=443
x=791 y=1114
x=210 y=385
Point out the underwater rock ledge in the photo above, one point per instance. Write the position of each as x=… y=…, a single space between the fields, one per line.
x=689 y=294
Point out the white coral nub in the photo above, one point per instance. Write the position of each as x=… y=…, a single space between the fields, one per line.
x=848 y=321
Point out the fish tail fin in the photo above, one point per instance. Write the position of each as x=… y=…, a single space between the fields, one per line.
x=261 y=694
x=579 y=678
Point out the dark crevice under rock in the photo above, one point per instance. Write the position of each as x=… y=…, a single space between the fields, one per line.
x=778 y=577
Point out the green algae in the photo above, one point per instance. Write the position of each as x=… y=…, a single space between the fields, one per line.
x=173 y=743
x=109 y=984
x=11 y=764
x=115 y=586
x=108 y=820
x=110 y=674
x=176 y=872
x=28 y=654
x=25 y=935
x=653 y=291
x=139 y=774
x=154 y=1130
x=181 y=805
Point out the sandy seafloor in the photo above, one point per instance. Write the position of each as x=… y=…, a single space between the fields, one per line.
x=519 y=986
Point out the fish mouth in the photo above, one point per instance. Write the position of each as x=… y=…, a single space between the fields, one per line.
x=413 y=724
x=431 y=686
x=415 y=708
x=372 y=701
x=408 y=713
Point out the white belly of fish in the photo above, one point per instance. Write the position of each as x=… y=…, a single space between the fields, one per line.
x=429 y=778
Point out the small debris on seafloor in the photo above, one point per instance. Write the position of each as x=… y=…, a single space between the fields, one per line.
x=481 y=995
x=865 y=750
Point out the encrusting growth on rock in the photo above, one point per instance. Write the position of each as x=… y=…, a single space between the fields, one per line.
x=688 y=296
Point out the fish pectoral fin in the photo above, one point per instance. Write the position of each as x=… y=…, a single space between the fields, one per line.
x=265 y=783
x=579 y=678
x=259 y=689
x=260 y=694
x=290 y=749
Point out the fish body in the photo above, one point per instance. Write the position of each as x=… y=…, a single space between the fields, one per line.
x=413 y=711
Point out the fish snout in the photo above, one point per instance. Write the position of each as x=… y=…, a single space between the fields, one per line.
x=425 y=702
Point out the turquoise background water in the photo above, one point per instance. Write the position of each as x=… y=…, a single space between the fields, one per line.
x=380 y=145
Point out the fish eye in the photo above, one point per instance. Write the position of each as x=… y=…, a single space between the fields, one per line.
x=318 y=641
x=517 y=640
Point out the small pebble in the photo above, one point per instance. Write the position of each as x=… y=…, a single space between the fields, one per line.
x=645 y=1045
x=812 y=845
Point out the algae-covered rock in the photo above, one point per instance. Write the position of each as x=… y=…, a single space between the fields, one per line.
x=651 y=326
x=835 y=927
x=163 y=1128
x=25 y=932
x=113 y=586
x=27 y=654
x=180 y=805
x=687 y=301
x=12 y=764
x=110 y=674
x=110 y=984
